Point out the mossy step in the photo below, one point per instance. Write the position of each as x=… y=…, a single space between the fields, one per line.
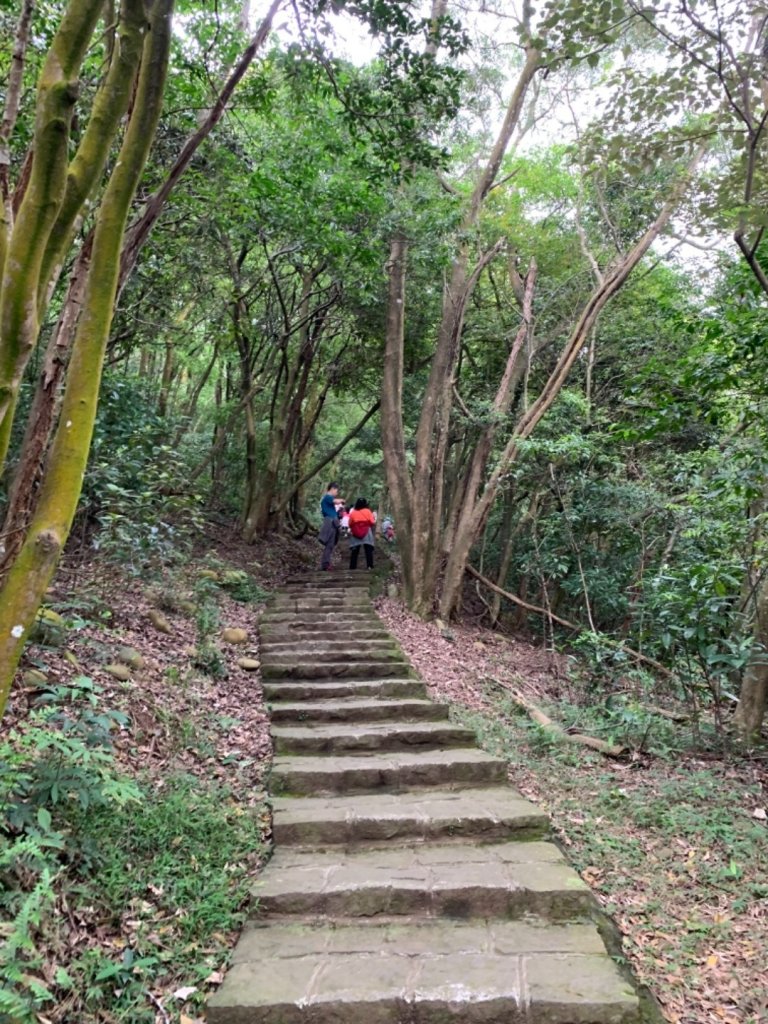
x=423 y=973
x=484 y=815
x=450 y=769
x=501 y=880
x=323 y=651
x=295 y=689
x=304 y=668
x=357 y=710
x=341 y=737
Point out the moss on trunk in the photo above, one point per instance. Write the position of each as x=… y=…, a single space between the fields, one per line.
x=30 y=574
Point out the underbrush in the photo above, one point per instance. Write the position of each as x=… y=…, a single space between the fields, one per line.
x=114 y=891
x=674 y=847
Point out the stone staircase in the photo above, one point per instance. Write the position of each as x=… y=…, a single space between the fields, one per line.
x=409 y=883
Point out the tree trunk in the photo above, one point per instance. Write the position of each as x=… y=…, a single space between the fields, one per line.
x=475 y=514
x=26 y=582
x=27 y=243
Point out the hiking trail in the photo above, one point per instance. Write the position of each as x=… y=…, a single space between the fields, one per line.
x=410 y=884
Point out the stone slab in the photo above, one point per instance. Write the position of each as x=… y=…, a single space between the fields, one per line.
x=451 y=769
x=498 y=974
x=485 y=815
x=315 y=654
x=357 y=710
x=293 y=689
x=338 y=737
x=351 y=669
x=505 y=880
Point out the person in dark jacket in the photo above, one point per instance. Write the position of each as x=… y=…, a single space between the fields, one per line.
x=329 y=530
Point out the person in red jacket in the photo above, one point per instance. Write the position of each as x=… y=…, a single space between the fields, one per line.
x=362 y=522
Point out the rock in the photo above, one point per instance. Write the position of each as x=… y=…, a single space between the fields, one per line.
x=440 y=624
x=188 y=607
x=479 y=645
x=131 y=657
x=191 y=652
x=393 y=591
x=448 y=634
x=209 y=574
x=33 y=679
x=249 y=664
x=233 y=635
x=121 y=672
x=159 y=621
x=49 y=628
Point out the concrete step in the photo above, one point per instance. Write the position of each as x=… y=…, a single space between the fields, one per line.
x=332 y=689
x=323 y=652
x=312 y=600
x=369 y=668
x=358 y=710
x=352 y=577
x=450 y=769
x=427 y=972
x=483 y=815
x=502 y=880
x=326 y=629
x=316 y=644
x=354 y=638
x=338 y=619
x=339 y=738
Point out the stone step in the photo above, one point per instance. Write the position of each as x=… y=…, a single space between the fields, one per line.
x=327 y=689
x=482 y=815
x=339 y=618
x=302 y=633
x=428 y=972
x=358 y=710
x=359 y=585
x=313 y=600
x=322 y=644
x=326 y=651
x=329 y=578
x=451 y=769
x=502 y=880
x=373 y=668
x=338 y=738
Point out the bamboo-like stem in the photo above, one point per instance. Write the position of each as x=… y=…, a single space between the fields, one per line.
x=28 y=578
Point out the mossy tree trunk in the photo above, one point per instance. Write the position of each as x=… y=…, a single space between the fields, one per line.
x=28 y=240
x=27 y=579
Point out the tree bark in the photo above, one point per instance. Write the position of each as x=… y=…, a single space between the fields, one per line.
x=26 y=582
x=419 y=504
x=474 y=514
x=26 y=246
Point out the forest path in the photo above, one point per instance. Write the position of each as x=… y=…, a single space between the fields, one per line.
x=410 y=884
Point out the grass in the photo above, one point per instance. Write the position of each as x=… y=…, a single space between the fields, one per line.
x=672 y=849
x=153 y=894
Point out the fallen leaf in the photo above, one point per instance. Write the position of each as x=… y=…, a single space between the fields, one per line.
x=185 y=992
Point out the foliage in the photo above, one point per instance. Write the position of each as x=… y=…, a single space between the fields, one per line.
x=72 y=823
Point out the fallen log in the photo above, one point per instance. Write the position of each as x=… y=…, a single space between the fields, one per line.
x=550 y=726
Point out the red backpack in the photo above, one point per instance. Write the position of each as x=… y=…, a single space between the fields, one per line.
x=359 y=527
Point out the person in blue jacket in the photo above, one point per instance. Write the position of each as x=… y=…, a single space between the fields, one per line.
x=329 y=531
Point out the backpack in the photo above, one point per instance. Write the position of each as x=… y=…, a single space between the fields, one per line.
x=358 y=528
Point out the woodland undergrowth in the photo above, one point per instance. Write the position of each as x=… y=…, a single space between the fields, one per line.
x=131 y=782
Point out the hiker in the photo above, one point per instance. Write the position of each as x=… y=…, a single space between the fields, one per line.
x=388 y=530
x=329 y=530
x=361 y=525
